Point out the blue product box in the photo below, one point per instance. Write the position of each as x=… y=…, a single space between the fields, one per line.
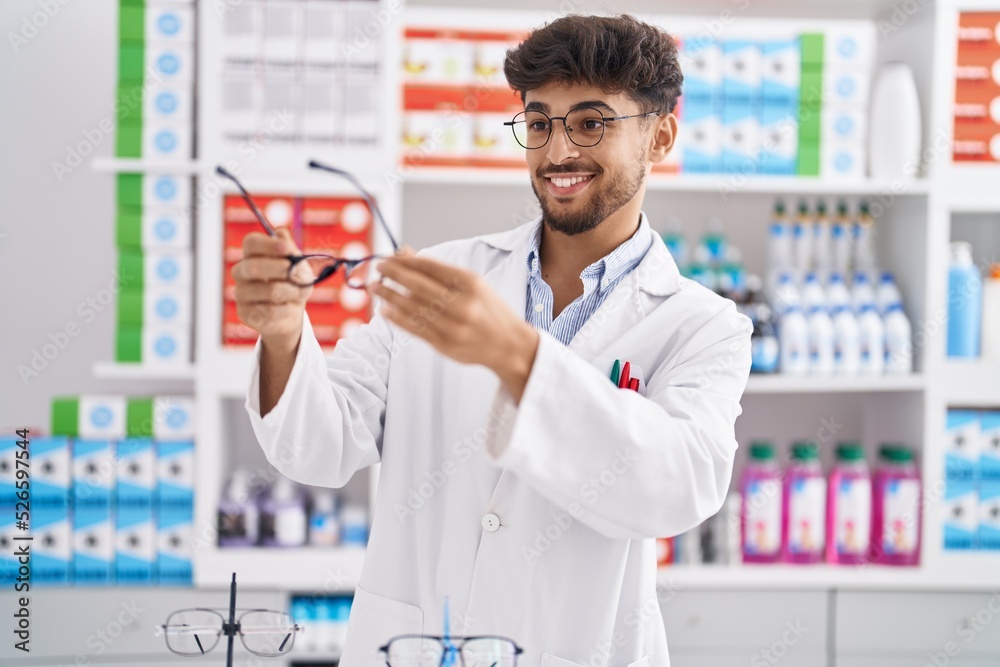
x=962 y=436
x=136 y=539
x=701 y=62
x=93 y=473
x=8 y=545
x=175 y=473
x=137 y=473
x=8 y=471
x=52 y=472
x=989 y=446
x=989 y=516
x=781 y=72
x=741 y=72
x=740 y=138
x=52 y=546
x=961 y=515
x=173 y=558
x=702 y=144
x=93 y=546
x=779 y=139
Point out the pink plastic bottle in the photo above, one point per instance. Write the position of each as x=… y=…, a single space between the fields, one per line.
x=804 y=525
x=896 y=524
x=760 y=512
x=849 y=507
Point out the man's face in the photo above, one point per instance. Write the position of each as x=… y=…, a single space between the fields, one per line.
x=579 y=187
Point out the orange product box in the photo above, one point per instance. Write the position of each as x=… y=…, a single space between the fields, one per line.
x=979 y=30
x=981 y=91
x=976 y=144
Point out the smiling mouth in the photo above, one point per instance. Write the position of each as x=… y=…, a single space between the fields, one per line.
x=568 y=183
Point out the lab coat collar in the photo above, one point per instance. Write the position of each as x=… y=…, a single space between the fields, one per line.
x=657 y=273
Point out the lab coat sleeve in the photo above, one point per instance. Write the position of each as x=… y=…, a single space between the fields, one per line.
x=625 y=465
x=327 y=424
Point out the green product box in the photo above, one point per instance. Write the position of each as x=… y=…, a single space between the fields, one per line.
x=129 y=103
x=130 y=306
x=130 y=189
x=139 y=417
x=128 y=231
x=808 y=158
x=128 y=344
x=128 y=142
x=131 y=61
x=131 y=22
x=66 y=416
x=812 y=48
x=131 y=264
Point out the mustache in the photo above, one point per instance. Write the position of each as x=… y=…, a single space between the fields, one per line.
x=568 y=169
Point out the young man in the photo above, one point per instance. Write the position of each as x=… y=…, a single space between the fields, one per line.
x=517 y=481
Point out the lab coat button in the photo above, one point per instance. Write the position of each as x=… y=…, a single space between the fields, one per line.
x=491 y=522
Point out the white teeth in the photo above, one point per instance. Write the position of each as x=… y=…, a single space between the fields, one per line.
x=567 y=182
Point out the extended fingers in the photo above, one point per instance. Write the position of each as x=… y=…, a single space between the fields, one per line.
x=260 y=268
x=276 y=292
x=421 y=286
x=257 y=244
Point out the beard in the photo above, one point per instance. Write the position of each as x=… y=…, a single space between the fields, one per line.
x=617 y=189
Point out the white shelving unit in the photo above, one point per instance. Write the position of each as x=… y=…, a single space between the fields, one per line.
x=913 y=235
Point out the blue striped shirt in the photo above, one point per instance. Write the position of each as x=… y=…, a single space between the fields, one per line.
x=598 y=280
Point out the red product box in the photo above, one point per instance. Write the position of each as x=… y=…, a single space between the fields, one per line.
x=976 y=144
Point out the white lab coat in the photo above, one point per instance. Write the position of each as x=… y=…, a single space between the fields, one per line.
x=536 y=521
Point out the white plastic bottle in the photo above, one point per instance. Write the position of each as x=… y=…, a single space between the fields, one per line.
x=898 y=340
x=837 y=294
x=822 y=240
x=840 y=240
x=864 y=249
x=862 y=292
x=820 y=341
x=779 y=249
x=813 y=294
x=872 y=340
x=887 y=293
x=802 y=241
x=793 y=337
x=786 y=295
x=846 y=342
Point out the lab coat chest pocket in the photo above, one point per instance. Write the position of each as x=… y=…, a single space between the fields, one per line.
x=376 y=619
x=549 y=660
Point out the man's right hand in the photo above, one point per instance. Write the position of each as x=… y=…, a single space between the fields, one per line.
x=265 y=300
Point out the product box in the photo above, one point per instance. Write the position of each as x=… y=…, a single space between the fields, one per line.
x=701 y=62
x=437 y=56
x=154 y=345
x=740 y=138
x=779 y=139
x=960 y=518
x=702 y=150
x=989 y=516
x=432 y=136
x=169 y=23
x=781 y=73
x=842 y=160
x=173 y=417
x=489 y=54
x=89 y=416
x=741 y=72
x=846 y=86
x=137 y=473
x=153 y=270
x=174 y=545
x=169 y=61
x=976 y=144
x=52 y=546
x=93 y=546
x=962 y=444
x=850 y=46
x=153 y=228
x=136 y=545
x=989 y=446
x=93 y=473
x=52 y=472
x=156 y=190
x=8 y=472
x=844 y=125
x=175 y=473
x=154 y=102
x=156 y=307
x=9 y=535
x=159 y=139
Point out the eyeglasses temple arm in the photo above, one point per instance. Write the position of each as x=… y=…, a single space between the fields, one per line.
x=246 y=195
x=232 y=622
x=313 y=164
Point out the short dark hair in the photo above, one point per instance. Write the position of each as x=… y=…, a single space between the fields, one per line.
x=614 y=53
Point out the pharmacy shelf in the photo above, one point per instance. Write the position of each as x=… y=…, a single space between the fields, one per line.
x=971 y=189
x=305 y=569
x=972 y=383
x=138 y=165
x=791 y=384
x=980 y=571
x=113 y=370
x=715 y=183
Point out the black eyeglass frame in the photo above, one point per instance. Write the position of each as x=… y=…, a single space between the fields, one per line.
x=566 y=128
x=450 y=644
x=236 y=628
x=335 y=263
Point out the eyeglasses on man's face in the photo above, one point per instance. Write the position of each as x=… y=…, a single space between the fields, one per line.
x=307 y=270
x=264 y=632
x=584 y=126
x=428 y=651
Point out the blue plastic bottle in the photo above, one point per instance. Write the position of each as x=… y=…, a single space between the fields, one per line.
x=965 y=303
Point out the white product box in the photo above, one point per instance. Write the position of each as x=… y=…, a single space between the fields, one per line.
x=174 y=535
x=741 y=71
x=93 y=546
x=844 y=161
x=52 y=472
x=169 y=22
x=173 y=417
x=438 y=60
x=437 y=133
x=740 y=139
x=844 y=125
x=702 y=149
x=166 y=346
x=282 y=28
x=962 y=445
x=779 y=140
x=701 y=62
x=166 y=269
x=166 y=306
x=361 y=49
x=960 y=515
x=137 y=472
x=852 y=46
x=170 y=62
x=492 y=139
x=136 y=545
x=52 y=546
x=168 y=101
x=166 y=190
x=846 y=86
x=165 y=228
x=101 y=417
x=167 y=140
x=781 y=72
x=488 y=59
x=175 y=473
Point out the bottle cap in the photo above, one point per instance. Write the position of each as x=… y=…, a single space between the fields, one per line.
x=850 y=451
x=895 y=453
x=821 y=207
x=805 y=451
x=811 y=277
x=961 y=253
x=863 y=209
x=842 y=208
x=803 y=208
x=324 y=501
x=779 y=208
x=893 y=307
x=239 y=486
x=283 y=489
x=860 y=277
x=887 y=277
x=761 y=451
x=836 y=277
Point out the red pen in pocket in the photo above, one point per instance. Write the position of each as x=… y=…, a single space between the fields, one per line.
x=633 y=384
x=624 y=379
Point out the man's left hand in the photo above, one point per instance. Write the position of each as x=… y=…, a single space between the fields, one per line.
x=459 y=314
